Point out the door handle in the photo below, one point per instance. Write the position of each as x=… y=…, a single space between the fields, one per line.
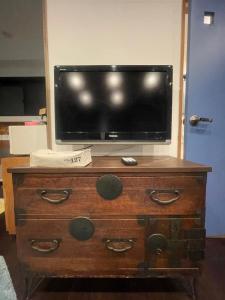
x=194 y=120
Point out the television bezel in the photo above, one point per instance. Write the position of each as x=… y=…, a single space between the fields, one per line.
x=156 y=138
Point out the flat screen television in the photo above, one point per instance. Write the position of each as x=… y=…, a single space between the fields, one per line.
x=113 y=103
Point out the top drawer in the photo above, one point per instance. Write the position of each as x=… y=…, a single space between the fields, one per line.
x=74 y=195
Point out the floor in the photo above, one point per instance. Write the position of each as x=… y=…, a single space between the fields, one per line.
x=211 y=283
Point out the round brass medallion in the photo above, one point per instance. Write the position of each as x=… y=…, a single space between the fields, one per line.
x=81 y=228
x=109 y=186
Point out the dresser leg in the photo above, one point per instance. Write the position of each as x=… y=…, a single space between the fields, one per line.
x=32 y=282
x=195 y=288
x=192 y=288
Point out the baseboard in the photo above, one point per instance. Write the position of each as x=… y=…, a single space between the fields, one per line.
x=216 y=236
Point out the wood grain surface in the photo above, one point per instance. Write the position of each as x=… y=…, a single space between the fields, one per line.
x=135 y=198
x=8 y=189
x=161 y=164
x=82 y=258
x=160 y=233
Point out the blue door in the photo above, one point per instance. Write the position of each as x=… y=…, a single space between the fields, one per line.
x=205 y=98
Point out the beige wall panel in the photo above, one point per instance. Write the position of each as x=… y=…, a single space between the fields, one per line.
x=89 y=32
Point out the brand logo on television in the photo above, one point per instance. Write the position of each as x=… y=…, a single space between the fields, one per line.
x=113 y=135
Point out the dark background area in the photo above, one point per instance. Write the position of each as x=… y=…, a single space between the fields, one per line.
x=22 y=96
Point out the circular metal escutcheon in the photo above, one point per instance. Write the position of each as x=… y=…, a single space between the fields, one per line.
x=157 y=241
x=109 y=186
x=81 y=228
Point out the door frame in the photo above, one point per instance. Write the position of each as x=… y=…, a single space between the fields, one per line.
x=183 y=63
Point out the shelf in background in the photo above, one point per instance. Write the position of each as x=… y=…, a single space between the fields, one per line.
x=19 y=119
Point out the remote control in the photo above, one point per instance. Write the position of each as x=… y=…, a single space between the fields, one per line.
x=129 y=161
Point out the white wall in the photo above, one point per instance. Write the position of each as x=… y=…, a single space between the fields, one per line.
x=89 y=32
x=21 y=38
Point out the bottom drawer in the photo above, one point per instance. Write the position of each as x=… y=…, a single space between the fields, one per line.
x=81 y=246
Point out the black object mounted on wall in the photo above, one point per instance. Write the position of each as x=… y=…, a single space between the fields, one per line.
x=113 y=103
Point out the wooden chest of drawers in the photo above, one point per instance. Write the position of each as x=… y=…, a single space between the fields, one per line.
x=110 y=220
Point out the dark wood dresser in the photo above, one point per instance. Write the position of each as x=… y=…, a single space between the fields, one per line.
x=111 y=220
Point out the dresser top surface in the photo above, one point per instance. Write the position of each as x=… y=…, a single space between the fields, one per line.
x=146 y=164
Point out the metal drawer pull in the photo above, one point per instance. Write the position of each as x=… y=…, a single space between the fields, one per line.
x=154 y=196
x=119 y=245
x=62 y=194
x=45 y=246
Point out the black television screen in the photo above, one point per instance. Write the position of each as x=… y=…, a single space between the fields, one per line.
x=121 y=103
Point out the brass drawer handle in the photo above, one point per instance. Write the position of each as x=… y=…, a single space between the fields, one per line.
x=45 y=246
x=154 y=196
x=119 y=245
x=62 y=194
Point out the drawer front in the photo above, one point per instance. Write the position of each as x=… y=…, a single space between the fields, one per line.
x=81 y=246
x=167 y=195
x=174 y=242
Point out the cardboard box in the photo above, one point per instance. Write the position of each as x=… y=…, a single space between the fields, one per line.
x=27 y=139
x=66 y=159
